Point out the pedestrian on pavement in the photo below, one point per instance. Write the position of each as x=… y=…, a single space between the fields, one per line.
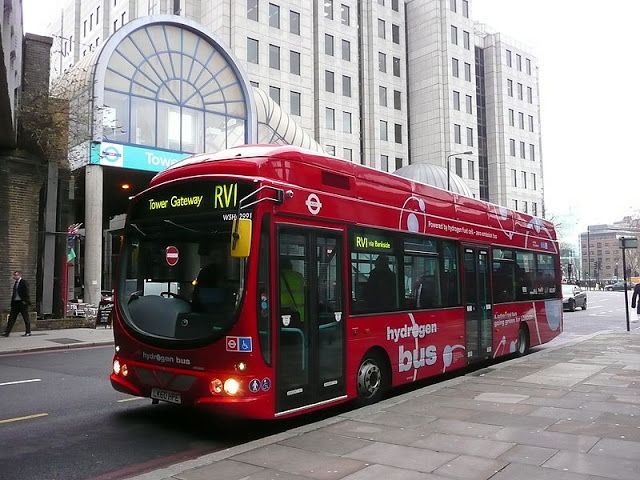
x=19 y=304
x=635 y=300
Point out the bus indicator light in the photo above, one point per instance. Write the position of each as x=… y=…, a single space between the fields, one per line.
x=215 y=387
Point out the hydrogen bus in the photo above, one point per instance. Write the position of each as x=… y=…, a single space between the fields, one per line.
x=268 y=281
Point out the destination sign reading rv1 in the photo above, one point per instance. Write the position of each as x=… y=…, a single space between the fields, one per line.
x=191 y=197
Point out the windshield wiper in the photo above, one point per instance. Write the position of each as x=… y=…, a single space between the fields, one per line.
x=138 y=229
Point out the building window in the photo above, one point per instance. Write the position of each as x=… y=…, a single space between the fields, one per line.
x=274 y=57
x=396 y=67
x=514 y=178
x=384 y=163
x=521 y=120
x=122 y=18
x=394 y=5
x=330 y=118
x=381 y=29
x=456 y=100
x=344 y=15
x=534 y=208
x=469 y=104
x=252 y=10
x=515 y=204
x=454 y=67
x=467 y=72
x=508 y=58
x=529 y=94
x=382 y=62
x=254 y=84
x=274 y=16
x=397 y=100
x=466 y=40
x=457 y=135
x=294 y=62
x=471 y=169
x=346 y=50
x=524 y=207
x=381 y=2
x=512 y=147
x=398 y=163
x=522 y=150
x=347 y=154
x=465 y=8
x=346 y=122
x=470 y=136
x=294 y=22
x=453 y=5
x=346 y=86
x=274 y=93
x=384 y=134
x=97 y=15
x=519 y=62
x=295 y=103
x=395 y=34
x=398 y=133
x=382 y=94
x=533 y=181
x=459 y=167
x=510 y=87
x=253 y=50
x=524 y=179
x=511 y=118
x=328 y=81
x=532 y=153
x=454 y=34
x=520 y=91
x=531 y=123
x=331 y=150
x=529 y=66
x=328 y=9
x=84 y=28
x=328 y=44
x=91 y=22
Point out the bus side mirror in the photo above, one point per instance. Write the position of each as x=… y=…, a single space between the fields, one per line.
x=241 y=238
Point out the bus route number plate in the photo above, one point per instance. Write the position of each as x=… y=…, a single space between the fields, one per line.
x=166 y=396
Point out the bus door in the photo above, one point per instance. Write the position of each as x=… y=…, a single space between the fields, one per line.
x=311 y=328
x=477 y=302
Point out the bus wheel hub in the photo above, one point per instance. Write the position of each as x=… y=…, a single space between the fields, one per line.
x=368 y=378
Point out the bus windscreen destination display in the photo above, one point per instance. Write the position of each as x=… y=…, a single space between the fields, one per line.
x=189 y=198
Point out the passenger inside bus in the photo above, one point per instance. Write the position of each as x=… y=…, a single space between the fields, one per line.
x=208 y=293
x=292 y=291
x=380 y=292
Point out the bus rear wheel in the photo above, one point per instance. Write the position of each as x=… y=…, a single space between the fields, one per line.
x=372 y=379
x=523 y=341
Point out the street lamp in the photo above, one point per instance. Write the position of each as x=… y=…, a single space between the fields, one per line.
x=469 y=152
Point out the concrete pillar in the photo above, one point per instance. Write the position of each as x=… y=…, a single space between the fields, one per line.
x=93 y=232
x=49 y=257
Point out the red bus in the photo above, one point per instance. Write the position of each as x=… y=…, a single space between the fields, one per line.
x=337 y=282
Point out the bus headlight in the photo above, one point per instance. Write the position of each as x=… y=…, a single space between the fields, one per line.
x=116 y=367
x=231 y=386
x=215 y=387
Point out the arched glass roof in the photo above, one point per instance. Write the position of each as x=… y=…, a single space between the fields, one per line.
x=436 y=176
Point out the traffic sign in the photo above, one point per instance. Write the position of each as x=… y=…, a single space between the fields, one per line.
x=172 y=255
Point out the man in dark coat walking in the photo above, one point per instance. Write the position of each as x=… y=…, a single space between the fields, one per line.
x=19 y=304
x=635 y=300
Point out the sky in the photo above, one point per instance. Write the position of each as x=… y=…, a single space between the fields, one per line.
x=589 y=96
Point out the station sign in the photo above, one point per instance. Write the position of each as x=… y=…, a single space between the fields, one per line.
x=133 y=157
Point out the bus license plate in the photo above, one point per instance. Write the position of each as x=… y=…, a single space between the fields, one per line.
x=166 y=396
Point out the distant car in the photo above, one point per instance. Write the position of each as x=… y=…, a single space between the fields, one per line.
x=618 y=287
x=572 y=297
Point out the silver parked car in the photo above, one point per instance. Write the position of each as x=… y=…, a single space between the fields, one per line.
x=572 y=297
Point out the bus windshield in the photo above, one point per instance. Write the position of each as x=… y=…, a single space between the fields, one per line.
x=178 y=280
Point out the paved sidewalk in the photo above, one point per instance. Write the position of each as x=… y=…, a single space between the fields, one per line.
x=55 y=339
x=565 y=413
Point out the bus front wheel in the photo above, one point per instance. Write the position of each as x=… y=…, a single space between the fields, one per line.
x=373 y=379
x=523 y=341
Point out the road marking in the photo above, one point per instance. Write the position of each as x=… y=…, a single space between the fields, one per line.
x=131 y=399
x=28 y=417
x=596 y=306
x=20 y=381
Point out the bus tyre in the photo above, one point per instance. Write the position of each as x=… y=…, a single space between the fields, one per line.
x=523 y=341
x=372 y=379
x=572 y=305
